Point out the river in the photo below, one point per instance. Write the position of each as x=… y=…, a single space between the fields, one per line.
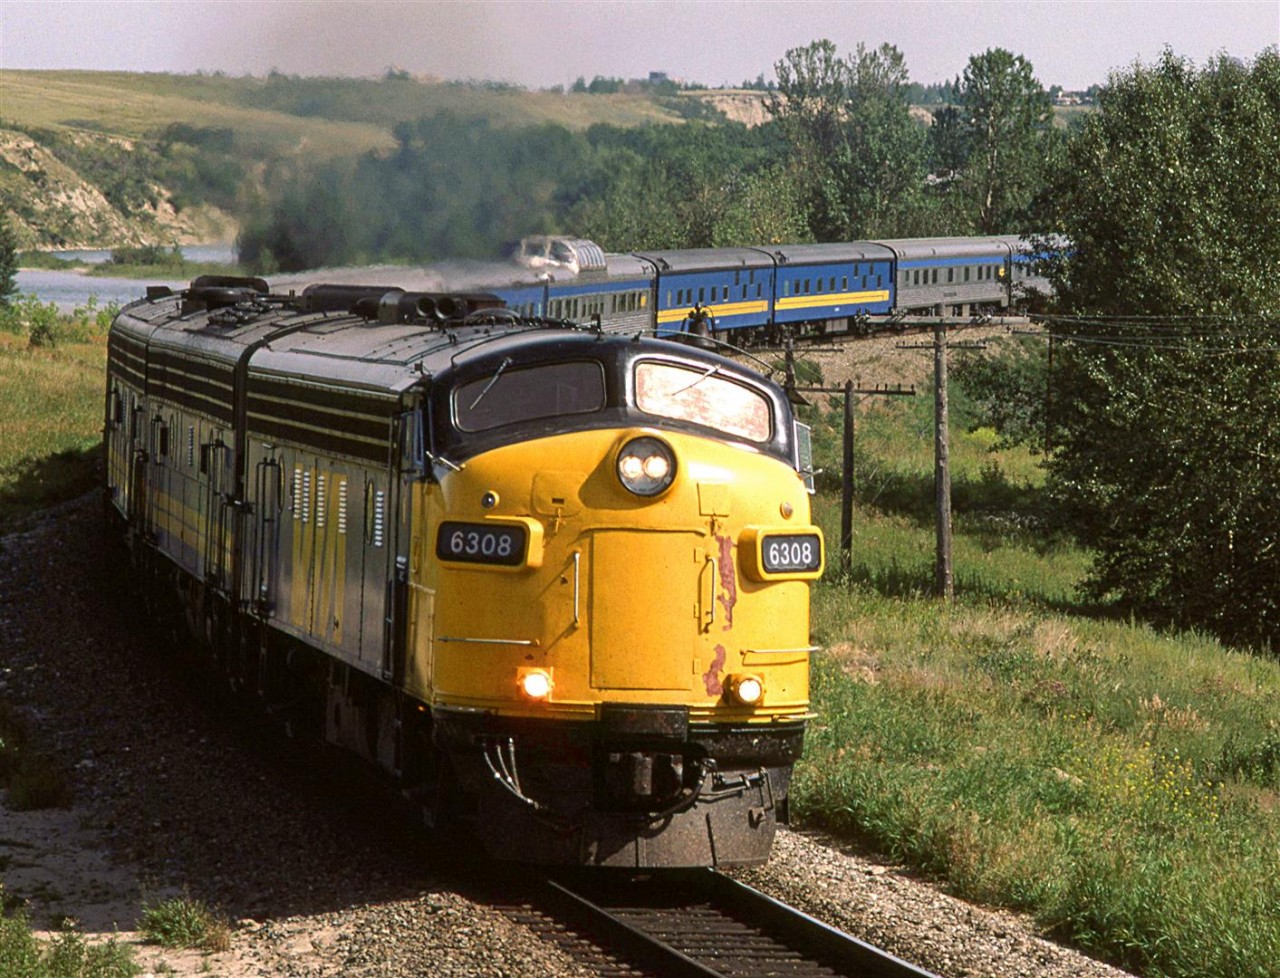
x=71 y=289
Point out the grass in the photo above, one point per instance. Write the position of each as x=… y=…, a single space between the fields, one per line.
x=52 y=372
x=321 y=117
x=181 y=923
x=135 y=105
x=48 y=260
x=144 y=262
x=184 y=922
x=1029 y=750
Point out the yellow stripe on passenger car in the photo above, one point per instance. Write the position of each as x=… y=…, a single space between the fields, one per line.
x=831 y=299
x=717 y=309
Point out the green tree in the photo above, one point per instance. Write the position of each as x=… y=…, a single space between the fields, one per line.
x=688 y=186
x=764 y=207
x=856 y=150
x=809 y=99
x=1166 y=450
x=948 y=141
x=1171 y=192
x=1007 y=117
x=8 y=264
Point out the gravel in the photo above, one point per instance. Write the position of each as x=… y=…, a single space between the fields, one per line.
x=318 y=873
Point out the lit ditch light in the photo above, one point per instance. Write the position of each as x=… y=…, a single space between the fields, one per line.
x=535 y=684
x=646 y=466
x=745 y=690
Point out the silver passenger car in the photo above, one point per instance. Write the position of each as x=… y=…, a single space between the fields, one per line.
x=952 y=276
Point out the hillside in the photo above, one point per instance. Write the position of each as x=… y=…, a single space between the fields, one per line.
x=96 y=159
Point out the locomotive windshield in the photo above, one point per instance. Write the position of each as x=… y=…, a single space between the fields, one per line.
x=700 y=396
x=509 y=395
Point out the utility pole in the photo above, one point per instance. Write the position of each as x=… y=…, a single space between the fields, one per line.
x=846 y=484
x=943 y=578
x=944 y=582
x=1048 y=399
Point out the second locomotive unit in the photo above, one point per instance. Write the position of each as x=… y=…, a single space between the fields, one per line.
x=554 y=581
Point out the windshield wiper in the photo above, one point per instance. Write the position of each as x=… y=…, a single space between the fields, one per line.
x=713 y=371
x=489 y=386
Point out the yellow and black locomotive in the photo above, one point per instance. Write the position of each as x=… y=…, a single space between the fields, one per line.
x=553 y=580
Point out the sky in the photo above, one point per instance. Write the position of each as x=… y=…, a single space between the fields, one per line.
x=541 y=43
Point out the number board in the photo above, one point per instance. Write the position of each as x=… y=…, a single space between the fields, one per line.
x=483 y=543
x=791 y=552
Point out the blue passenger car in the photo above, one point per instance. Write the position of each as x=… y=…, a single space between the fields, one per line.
x=527 y=300
x=832 y=281
x=734 y=285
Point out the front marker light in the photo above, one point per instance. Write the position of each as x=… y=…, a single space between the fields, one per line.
x=745 y=690
x=535 y=684
x=646 y=466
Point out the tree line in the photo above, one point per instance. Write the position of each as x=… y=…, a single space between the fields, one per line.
x=842 y=157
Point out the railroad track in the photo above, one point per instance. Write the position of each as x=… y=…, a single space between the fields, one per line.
x=700 y=924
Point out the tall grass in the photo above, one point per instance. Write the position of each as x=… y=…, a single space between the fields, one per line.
x=1031 y=751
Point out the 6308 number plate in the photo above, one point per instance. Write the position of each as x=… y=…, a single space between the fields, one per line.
x=791 y=552
x=483 y=543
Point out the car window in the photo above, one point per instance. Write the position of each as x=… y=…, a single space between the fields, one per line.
x=701 y=396
x=510 y=395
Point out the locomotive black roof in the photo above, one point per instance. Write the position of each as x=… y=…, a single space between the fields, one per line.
x=344 y=349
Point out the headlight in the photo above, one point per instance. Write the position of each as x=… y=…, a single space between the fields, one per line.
x=535 y=683
x=745 y=690
x=646 y=466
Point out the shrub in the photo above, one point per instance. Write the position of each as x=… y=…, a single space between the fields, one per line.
x=45 y=326
x=147 y=255
x=68 y=955
x=184 y=922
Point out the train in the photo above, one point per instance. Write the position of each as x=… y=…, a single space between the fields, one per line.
x=748 y=294
x=550 y=579
x=538 y=553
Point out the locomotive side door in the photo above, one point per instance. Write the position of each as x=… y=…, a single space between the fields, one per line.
x=216 y=542
x=264 y=541
x=139 y=517
x=118 y=449
x=376 y=576
x=407 y=435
